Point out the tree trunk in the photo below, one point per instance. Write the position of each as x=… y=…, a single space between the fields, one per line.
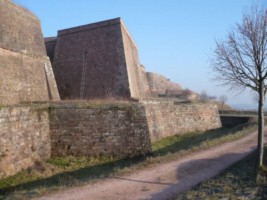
x=260 y=128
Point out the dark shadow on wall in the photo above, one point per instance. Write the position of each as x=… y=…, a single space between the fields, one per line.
x=230 y=121
x=194 y=172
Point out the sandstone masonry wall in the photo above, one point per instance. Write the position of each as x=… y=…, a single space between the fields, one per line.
x=99 y=130
x=137 y=84
x=89 y=62
x=165 y=118
x=25 y=78
x=50 y=45
x=24 y=138
x=20 y=30
x=144 y=83
x=36 y=132
x=25 y=70
x=159 y=84
x=98 y=60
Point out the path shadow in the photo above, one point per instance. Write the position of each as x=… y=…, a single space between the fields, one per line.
x=141 y=181
x=196 y=171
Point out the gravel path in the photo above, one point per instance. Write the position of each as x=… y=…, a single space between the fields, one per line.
x=165 y=180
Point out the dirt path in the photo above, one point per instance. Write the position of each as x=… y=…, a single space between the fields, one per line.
x=165 y=180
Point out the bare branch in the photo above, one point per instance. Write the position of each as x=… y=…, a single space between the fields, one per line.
x=239 y=61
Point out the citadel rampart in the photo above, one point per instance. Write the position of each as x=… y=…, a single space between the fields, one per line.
x=25 y=70
x=98 y=60
x=93 y=61
x=137 y=83
x=20 y=30
x=31 y=133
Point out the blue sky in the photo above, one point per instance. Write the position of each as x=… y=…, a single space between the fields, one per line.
x=175 y=38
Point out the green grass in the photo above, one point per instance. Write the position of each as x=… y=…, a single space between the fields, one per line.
x=195 y=141
x=241 y=181
x=58 y=173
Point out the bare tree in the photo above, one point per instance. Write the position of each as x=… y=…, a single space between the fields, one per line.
x=223 y=99
x=239 y=61
x=204 y=97
x=212 y=98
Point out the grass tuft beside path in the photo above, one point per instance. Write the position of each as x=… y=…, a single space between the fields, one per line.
x=241 y=182
x=59 y=173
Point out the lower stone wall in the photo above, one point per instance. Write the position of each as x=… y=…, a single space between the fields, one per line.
x=118 y=130
x=167 y=118
x=24 y=138
x=36 y=132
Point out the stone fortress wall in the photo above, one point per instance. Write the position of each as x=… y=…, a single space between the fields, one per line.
x=97 y=60
x=138 y=83
x=100 y=60
x=92 y=61
x=31 y=133
x=25 y=70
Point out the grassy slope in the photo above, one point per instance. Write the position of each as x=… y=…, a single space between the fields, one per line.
x=65 y=172
x=238 y=182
